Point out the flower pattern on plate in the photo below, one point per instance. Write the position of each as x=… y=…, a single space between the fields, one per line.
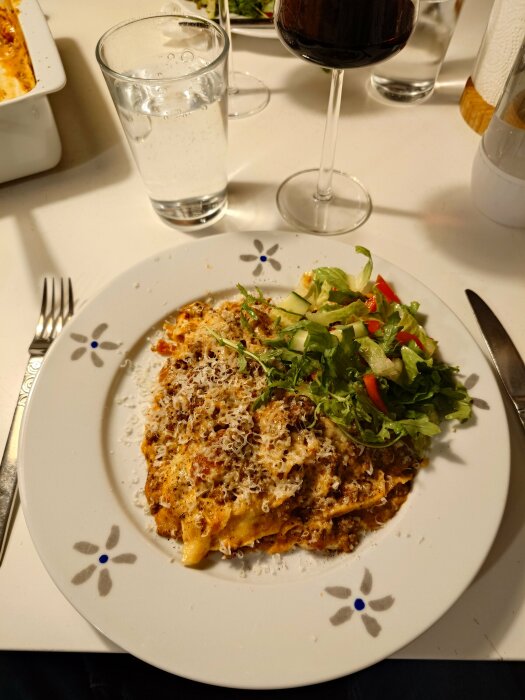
x=94 y=343
x=102 y=561
x=360 y=604
x=263 y=256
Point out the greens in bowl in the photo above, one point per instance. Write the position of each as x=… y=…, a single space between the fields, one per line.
x=246 y=9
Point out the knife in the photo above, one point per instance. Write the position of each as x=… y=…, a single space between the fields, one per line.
x=506 y=358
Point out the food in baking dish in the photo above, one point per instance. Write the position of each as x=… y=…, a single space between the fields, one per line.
x=16 y=70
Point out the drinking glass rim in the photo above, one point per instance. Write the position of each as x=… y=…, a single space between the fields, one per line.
x=193 y=18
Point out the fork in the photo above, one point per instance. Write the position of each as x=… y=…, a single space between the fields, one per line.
x=57 y=307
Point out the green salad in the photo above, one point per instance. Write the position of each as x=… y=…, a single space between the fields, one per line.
x=253 y=9
x=359 y=353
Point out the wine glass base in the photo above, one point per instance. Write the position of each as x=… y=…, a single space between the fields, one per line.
x=348 y=208
x=246 y=96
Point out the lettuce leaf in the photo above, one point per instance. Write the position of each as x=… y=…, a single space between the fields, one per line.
x=358 y=283
x=379 y=363
x=408 y=323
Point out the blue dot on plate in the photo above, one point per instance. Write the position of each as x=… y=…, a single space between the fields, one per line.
x=359 y=604
x=94 y=344
x=103 y=558
x=263 y=258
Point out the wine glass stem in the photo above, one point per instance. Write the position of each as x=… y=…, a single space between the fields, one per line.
x=224 y=21
x=324 y=182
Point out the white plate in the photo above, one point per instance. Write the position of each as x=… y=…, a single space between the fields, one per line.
x=262 y=32
x=276 y=625
x=255 y=32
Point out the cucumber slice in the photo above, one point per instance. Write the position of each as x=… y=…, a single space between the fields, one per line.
x=359 y=328
x=294 y=303
x=284 y=318
x=298 y=341
x=290 y=310
x=306 y=287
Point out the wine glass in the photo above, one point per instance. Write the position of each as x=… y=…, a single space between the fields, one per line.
x=336 y=34
x=247 y=94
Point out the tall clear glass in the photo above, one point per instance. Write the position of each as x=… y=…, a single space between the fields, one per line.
x=167 y=77
x=336 y=34
x=247 y=94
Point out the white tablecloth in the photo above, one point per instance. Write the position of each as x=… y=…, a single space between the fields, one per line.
x=89 y=218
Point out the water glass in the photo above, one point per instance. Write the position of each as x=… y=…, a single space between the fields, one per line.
x=411 y=75
x=167 y=76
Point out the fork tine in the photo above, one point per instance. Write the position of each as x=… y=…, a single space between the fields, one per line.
x=49 y=317
x=58 y=313
x=62 y=301
x=71 y=302
x=41 y=319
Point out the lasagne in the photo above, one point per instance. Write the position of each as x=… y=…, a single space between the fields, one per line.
x=229 y=473
x=16 y=70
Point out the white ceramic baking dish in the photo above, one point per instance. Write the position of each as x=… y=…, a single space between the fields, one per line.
x=29 y=139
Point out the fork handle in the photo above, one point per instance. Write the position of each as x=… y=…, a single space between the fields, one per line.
x=8 y=466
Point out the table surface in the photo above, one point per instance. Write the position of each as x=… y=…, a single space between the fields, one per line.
x=89 y=218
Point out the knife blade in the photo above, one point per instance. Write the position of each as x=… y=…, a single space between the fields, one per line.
x=503 y=352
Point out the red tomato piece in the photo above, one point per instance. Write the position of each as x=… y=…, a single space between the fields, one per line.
x=373 y=392
x=386 y=290
x=373 y=325
x=405 y=337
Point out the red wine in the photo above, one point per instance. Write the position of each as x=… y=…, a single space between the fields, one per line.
x=345 y=33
